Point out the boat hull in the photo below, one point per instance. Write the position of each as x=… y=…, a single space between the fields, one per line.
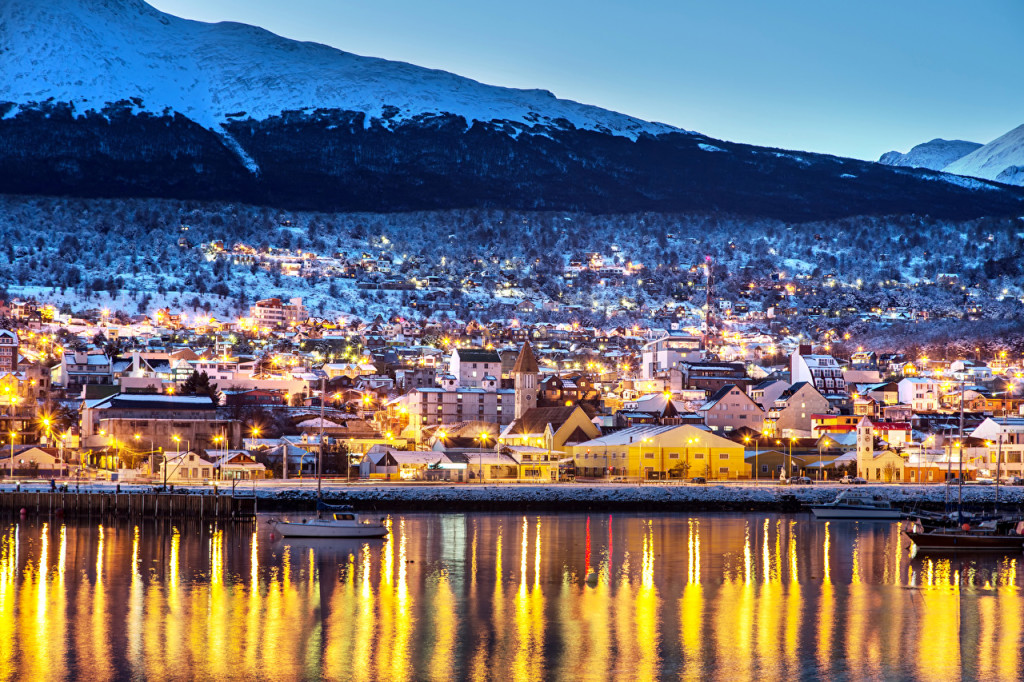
x=325 y=530
x=949 y=542
x=859 y=513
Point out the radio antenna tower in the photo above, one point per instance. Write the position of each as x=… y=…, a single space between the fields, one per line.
x=710 y=318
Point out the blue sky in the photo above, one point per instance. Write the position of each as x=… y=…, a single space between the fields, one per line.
x=849 y=78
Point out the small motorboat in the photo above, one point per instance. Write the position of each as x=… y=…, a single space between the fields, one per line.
x=856 y=504
x=338 y=524
x=987 y=536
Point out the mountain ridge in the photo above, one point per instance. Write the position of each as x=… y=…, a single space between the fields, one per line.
x=98 y=99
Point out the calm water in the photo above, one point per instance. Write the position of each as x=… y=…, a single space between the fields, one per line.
x=503 y=597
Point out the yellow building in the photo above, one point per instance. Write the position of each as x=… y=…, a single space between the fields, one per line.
x=652 y=451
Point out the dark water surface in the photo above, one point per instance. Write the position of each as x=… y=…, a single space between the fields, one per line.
x=496 y=596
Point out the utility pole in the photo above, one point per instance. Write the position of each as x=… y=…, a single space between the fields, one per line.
x=960 y=488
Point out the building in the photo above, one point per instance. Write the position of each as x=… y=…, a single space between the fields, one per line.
x=8 y=351
x=524 y=375
x=791 y=415
x=668 y=353
x=878 y=466
x=272 y=312
x=472 y=367
x=923 y=395
x=729 y=409
x=821 y=371
x=661 y=452
x=79 y=369
x=450 y=404
x=712 y=376
x=150 y=422
x=550 y=428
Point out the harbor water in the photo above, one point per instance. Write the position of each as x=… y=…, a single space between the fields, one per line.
x=503 y=596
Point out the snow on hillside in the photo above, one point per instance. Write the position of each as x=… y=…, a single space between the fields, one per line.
x=1001 y=159
x=94 y=52
x=934 y=155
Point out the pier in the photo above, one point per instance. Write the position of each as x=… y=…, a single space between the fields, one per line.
x=133 y=504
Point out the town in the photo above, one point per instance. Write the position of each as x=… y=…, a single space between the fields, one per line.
x=172 y=399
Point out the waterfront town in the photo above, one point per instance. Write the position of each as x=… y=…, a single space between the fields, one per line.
x=176 y=399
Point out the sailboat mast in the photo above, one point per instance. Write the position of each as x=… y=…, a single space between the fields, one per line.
x=960 y=487
x=320 y=447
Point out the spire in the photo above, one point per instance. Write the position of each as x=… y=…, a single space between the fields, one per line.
x=526 y=363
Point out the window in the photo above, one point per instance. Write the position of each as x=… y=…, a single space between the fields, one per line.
x=764 y=468
x=723 y=470
x=699 y=455
x=649 y=455
x=673 y=455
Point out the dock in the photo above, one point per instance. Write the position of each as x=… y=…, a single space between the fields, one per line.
x=130 y=505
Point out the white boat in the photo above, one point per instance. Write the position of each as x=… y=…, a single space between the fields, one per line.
x=855 y=504
x=335 y=525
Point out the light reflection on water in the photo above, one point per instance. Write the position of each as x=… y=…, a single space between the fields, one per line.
x=493 y=596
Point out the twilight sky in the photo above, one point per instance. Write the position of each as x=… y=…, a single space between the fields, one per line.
x=849 y=78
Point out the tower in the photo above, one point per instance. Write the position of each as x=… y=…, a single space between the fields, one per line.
x=524 y=374
x=710 y=312
x=865 y=446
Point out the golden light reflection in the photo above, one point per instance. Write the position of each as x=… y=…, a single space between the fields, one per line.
x=109 y=600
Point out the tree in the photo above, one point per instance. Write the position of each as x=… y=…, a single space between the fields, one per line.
x=199 y=384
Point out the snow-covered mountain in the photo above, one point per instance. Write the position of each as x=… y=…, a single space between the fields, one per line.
x=114 y=98
x=91 y=53
x=1001 y=160
x=934 y=155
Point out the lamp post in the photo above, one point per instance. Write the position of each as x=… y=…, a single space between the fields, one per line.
x=825 y=442
x=480 y=461
x=13 y=433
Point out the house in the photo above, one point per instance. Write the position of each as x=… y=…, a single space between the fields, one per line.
x=792 y=413
x=79 y=369
x=238 y=465
x=34 y=462
x=184 y=467
x=661 y=452
x=922 y=394
x=731 y=408
x=550 y=428
x=767 y=392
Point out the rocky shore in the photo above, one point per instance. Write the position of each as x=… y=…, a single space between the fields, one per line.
x=604 y=497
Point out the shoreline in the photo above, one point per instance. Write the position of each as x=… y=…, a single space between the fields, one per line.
x=274 y=497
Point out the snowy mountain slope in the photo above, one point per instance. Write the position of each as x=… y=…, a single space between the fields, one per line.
x=933 y=155
x=91 y=53
x=112 y=98
x=1001 y=160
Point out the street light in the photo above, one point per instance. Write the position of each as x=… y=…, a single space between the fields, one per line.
x=13 y=434
x=826 y=442
x=480 y=461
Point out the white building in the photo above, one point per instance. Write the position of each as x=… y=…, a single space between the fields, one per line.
x=821 y=371
x=475 y=367
x=922 y=394
x=669 y=353
x=272 y=312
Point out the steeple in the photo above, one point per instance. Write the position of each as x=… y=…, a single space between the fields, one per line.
x=524 y=373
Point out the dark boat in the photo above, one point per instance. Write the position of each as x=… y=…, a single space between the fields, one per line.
x=987 y=536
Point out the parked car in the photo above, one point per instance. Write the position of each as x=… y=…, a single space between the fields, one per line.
x=1014 y=480
x=853 y=480
x=801 y=480
x=846 y=480
x=698 y=479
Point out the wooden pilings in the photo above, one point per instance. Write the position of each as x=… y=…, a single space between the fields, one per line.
x=130 y=504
